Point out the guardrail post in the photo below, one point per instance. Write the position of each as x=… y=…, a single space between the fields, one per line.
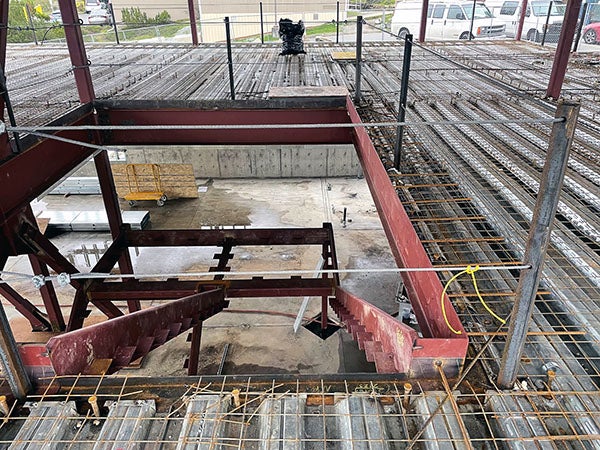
x=262 y=25
x=359 y=23
x=229 y=58
x=114 y=22
x=547 y=22
x=337 y=23
x=538 y=240
x=408 y=42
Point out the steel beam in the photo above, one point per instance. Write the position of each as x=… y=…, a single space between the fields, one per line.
x=563 y=50
x=538 y=240
x=26 y=308
x=423 y=29
x=218 y=238
x=26 y=176
x=77 y=53
x=111 y=345
x=193 y=25
x=55 y=316
x=171 y=289
x=10 y=360
x=424 y=288
x=224 y=117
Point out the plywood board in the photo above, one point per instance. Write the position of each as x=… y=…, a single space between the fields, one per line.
x=176 y=180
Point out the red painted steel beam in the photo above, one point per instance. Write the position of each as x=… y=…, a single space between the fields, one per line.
x=521 y=23
x=563 y=50
x=227 y=117
x=217 y=238
x=77 y=53
x=423 y=29
x=193 y=25
x=111 y=345
x=424 y=288
x=170 y=289
x=27 y=175
x=26 y=308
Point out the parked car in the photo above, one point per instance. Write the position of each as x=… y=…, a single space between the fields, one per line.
x=591 y=33
x=91 y=5
x=446 y=19
x=100 y=17
x=55 y=16
x=509 y=13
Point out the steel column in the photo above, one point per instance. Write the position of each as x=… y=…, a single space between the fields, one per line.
x=423 y=29
x=561 y=57
x=538 y=240
x=194 y=358
x=79 y=60
x=48 y=293
x=408 y=42
x=358 y=74
x=193 y=26
x=113 y=211
x=229 y=59
x=10 y=359
x=585 y=8
x=519 y=32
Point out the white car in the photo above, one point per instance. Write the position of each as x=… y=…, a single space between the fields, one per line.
x=100 y=17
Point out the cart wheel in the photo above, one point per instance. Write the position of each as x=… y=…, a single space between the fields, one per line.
x=164 y=198
x=132 y=202
x=160 y=201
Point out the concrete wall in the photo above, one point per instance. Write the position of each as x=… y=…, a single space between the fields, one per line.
x=255 y=161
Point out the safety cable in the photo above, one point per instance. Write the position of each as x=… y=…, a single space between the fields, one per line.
x=471 y=271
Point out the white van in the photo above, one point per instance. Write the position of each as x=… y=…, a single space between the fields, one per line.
x=446 y=20
x=509 y=12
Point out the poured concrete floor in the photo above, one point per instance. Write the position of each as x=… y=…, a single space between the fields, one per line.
x=260 y=340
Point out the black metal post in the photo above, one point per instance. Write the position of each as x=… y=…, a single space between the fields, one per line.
x=408 y=43
x=9 y=110
x=539 y=237
x=359 y=23
x=114 y=21
x=547 y=22
x=229 y=58
x=472 y=19
x=337 y=23
x=262 y=25
x=10 y=360
x=584 y=14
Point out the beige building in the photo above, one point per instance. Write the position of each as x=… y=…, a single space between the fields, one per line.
x=244 y=15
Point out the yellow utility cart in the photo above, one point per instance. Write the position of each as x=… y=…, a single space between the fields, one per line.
x=144 y=184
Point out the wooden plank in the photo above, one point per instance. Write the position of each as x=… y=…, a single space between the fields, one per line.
x=177 y=180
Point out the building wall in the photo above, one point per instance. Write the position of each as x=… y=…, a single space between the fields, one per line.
x=244 y=16
x=257 y=161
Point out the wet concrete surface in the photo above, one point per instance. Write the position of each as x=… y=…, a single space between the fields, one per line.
x=261 y=341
